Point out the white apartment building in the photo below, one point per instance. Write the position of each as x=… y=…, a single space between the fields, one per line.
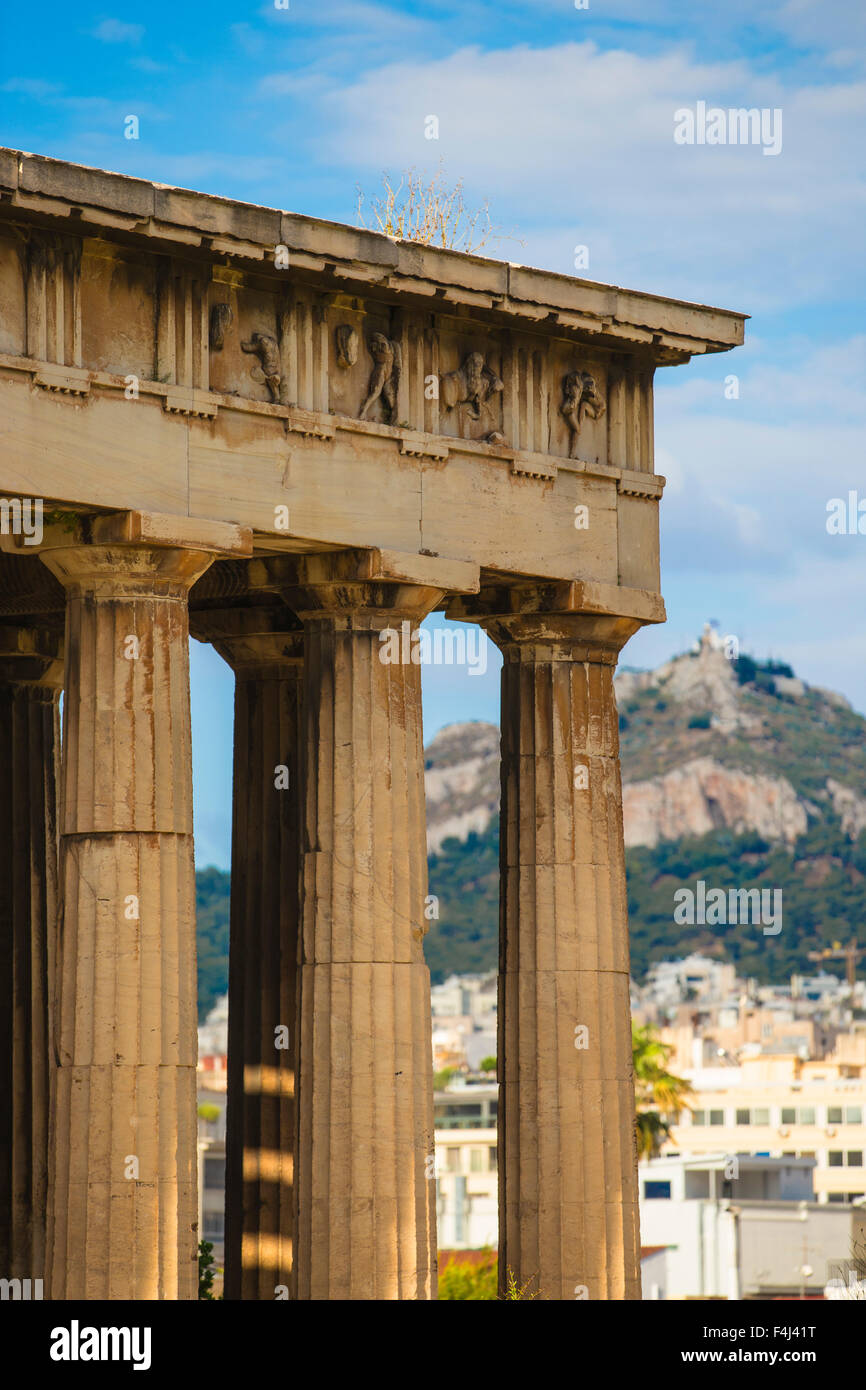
x=741 y=1227
x=466 y=1180
x=780 y=1106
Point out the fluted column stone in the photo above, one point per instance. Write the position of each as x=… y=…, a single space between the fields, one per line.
x=123 y=1200
x=267 y=659
x=568 y=1188
x=31 y=675
x=365 y=1182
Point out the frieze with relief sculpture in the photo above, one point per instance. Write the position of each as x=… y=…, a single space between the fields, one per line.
x=265 y=347
x=385 y=376
x=580 y=398
x=471 y=390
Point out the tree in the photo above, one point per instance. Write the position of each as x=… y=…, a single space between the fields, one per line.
x=441 y=1078
x=488 y=1064
x=658 y=1093
x=206 y=1270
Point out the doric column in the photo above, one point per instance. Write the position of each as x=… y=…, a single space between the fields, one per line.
x=567 y=1151
x=31 y=674
x=365 y=1182
x=267 y=658
x=123 y=1175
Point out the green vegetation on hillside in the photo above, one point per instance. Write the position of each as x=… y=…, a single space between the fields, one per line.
x=823 y=883
x=212 y=933
x=464 y=875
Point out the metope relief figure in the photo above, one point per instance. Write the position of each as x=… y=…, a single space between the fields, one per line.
x=580 y=398
x=346 y=338
x=385 y=376
x=221 y=316
x=471 y=391
x=265 y=347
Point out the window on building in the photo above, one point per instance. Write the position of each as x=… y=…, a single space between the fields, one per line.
x=855 y=1158
x=717 y=1117
x=452 y=1159
x=699 y=1117
x=656 y=1189
x=476 y=1160
x=807 y=1114
x=854 y=1115
x=760 y=1117
x=789 y=1115
x=744 y=1117
x=214 y=1172
x=214 y=1225
x=491 y=1154
x=835 y=1158
x=834 y=1114
x=835 y=1196
x=697 y=1184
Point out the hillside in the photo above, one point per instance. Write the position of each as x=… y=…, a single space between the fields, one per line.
x=733 y=771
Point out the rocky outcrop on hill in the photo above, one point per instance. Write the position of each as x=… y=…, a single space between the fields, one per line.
x=704 y=679
x=702 y=796
x=461 y=779
x=709 y=742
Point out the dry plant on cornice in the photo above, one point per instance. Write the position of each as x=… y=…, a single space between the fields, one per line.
x=429 y=213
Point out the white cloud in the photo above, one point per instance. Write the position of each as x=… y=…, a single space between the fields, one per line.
x=743 y=518
x=580 y=139
x=117 y=31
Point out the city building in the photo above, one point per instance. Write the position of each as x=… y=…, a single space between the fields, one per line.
x=211 y=1091
x=464 y=1021
x=783 y=1106
x=466 y=1171
x=741 y=1227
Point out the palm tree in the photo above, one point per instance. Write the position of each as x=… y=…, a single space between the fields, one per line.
x=658 y=1094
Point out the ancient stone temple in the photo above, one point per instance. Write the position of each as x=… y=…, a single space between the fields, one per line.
x=295 y=440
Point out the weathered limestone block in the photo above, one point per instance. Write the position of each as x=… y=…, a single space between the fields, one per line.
x=567 y=1151
x=31 y=673
x=263 y=953
x=365 y=1183
x=123 y=1205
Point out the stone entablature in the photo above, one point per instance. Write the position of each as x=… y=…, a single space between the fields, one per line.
x=278 y=361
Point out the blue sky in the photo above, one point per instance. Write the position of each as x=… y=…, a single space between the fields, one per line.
x=563 y=119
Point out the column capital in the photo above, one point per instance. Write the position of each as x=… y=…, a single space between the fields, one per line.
x=364 y=589
x=130 y=553
x=261 y=640
x=31 y=656
x=565 y=620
